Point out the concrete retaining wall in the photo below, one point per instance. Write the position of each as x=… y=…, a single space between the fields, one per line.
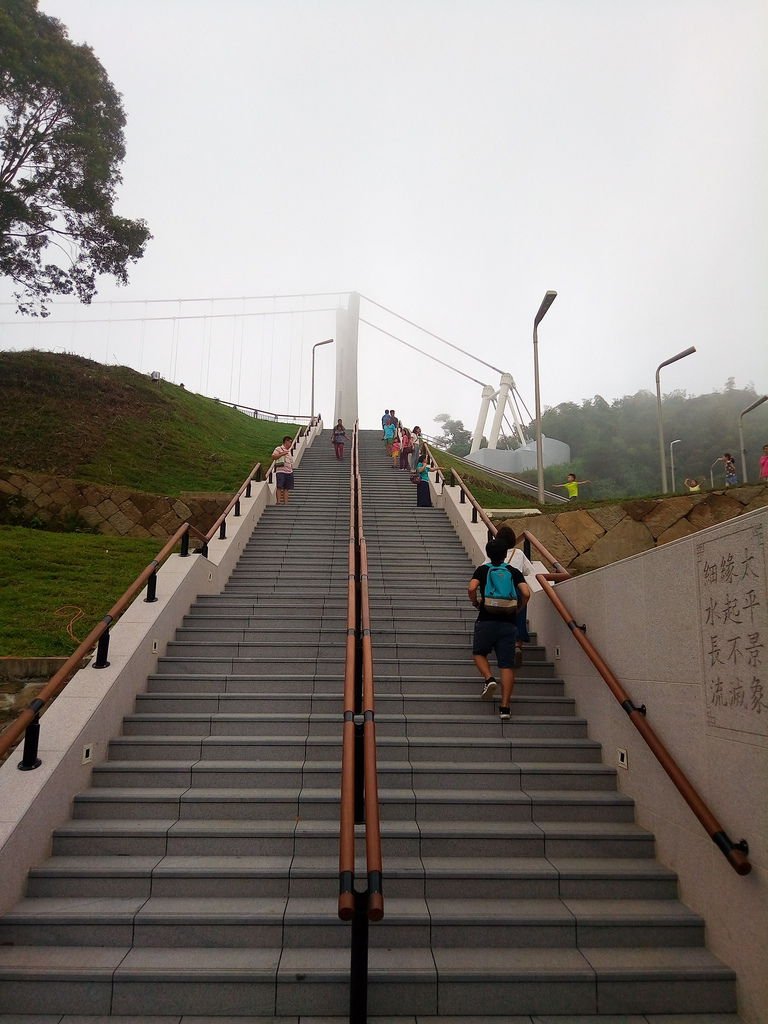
x=583 y=539
x=27 y=498
x=684 y=627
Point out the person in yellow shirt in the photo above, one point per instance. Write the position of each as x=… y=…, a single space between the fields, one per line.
x=571 y=485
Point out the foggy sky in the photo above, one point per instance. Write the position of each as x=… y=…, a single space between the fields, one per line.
x=452 y=160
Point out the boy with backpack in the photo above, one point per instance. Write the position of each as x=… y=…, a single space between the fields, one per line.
x=498 y=591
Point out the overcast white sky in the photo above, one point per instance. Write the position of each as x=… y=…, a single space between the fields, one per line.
x=452 y=159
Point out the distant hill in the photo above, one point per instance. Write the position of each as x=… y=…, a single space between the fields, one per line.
x=74 y=417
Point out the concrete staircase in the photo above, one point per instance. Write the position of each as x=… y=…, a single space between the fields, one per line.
x=198 y=876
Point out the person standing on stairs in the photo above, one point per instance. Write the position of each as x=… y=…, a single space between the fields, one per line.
x=282 y=459
x=339 y=439
x=417 y=443
x=495 y=626
x=406 y=448
x=506 y=535
x=423 y=497
x=390 y=430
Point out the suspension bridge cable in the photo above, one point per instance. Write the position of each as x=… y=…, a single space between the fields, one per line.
x=207 y=298
x=432 y=334
x=517 y=396
x=158 y=319
x=427 y=354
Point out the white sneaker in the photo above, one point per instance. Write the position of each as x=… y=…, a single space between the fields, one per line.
x=489 y=689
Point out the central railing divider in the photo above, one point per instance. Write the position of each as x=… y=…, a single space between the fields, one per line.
x=359 y=781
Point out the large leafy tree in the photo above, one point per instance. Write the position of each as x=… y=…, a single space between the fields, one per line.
x=61 y=149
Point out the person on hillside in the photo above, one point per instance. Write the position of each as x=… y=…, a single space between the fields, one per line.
x=506 y=535
x=764 y=465
x=572 y=485
x=339 y=439
x=731 y=480
x=282 y=460
x=495 y=625
x=692 y=485
x=423 y=497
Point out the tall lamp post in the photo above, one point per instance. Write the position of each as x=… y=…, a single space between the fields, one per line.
x=741 y=435
x=672 y=460
x=546 y=302
x=673 y=359
x=317 y=345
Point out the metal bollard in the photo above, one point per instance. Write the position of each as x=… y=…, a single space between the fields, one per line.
x=152 y=587
x=29 y=759
x=103 y=648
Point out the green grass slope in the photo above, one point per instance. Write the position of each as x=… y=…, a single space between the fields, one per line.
x=73 y=417
x=49 y=579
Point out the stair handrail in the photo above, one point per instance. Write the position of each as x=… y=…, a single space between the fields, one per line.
x=347 y=801
x=359 y=782
x=735 y=853
x=234 y=503
x=478 y=512
x=28 y=722
x=375 y=908
x=513 y=482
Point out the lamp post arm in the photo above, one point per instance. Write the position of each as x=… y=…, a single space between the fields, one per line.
x=315 y=346
x=662 y=459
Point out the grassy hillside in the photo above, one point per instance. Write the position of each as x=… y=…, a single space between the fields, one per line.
x=489 y=491
x=49 y=578
x=74 y=417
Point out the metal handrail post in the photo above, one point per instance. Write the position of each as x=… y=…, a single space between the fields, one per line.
x=358 y=962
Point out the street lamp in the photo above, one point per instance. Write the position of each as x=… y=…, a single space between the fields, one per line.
x=662 y=460
x=546 y=302
x=712 y=473
x=672 y=460
x=317 y=345
x=741 y=436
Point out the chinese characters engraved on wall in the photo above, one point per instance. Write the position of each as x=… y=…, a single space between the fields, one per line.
x=733 y=630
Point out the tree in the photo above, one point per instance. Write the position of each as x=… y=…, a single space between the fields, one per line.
x=457 y=440
x=61 y=148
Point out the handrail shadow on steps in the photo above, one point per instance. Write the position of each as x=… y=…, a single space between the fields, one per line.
x=28 y=722
x=735 y=853
x=359 y=781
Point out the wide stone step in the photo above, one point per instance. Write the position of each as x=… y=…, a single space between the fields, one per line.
x=306 y=803
x=332 y=684
x=93 y=980
x=279 y=701
x=301 y=921
x=458 y=750
x=430 y=877
x=324 y=774
x=305 y=724
x=144 y=837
